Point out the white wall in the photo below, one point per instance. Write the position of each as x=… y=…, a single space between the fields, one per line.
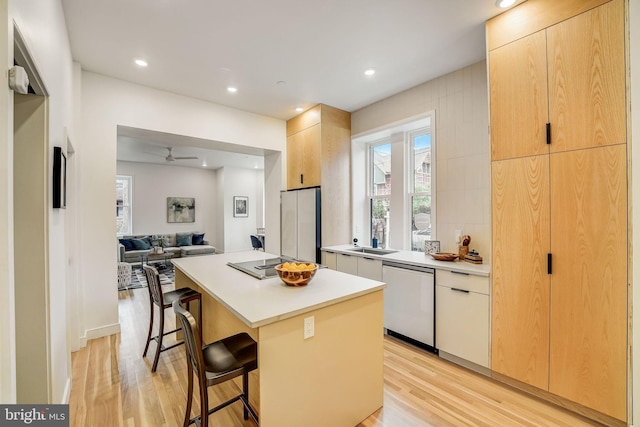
x=41 y=22
x=240 y=182
x=153 y=183
x=107 y=103
x=460 y=103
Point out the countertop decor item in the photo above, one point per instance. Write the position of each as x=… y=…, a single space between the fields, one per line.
x=431 y=246
x=444 y=256
x=296 y=273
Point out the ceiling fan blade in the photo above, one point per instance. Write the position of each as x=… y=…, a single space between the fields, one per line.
x=186 y=158
x=154 y=154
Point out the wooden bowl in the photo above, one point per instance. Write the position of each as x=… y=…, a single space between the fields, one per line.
x=444 y=256
x=296 y=273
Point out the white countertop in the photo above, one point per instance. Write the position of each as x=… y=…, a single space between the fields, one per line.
x=260 y=302
x=418 y=258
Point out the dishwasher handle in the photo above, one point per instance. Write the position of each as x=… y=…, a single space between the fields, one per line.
x=411 y=267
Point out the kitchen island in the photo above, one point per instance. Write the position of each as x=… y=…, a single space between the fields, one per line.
x=333 y=378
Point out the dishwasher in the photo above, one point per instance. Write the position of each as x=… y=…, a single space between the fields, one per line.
x=409 y=303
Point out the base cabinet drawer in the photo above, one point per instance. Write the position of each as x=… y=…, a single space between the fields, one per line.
x=462 y=324
x=347 y=264
x=370 y=268
x=329 y=259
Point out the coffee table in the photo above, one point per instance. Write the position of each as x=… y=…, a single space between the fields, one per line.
x=148 y=257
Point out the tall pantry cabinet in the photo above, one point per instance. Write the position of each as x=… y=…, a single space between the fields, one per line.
x=559 y=199
x=319 y=155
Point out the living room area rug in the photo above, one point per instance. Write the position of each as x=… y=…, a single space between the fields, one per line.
x=138 y=279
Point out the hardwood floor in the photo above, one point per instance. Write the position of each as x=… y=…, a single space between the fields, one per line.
x=112 y=385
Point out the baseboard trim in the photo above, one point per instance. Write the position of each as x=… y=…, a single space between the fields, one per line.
x=100 y=332
x=67 y=392
x=466 y=363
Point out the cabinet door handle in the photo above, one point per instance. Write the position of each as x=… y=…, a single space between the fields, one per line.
x=301 y=179
x=548 y=133
x=549 y=264
x=459 y=272
x=460 y=290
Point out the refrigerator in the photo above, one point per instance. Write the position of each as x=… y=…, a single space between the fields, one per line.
x=300 y=224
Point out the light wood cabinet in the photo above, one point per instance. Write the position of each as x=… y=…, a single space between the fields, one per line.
x=303 y=158
x=570 y=75
x=559 y=210
x=520 y=283
x=462 y=316
x=319 y=154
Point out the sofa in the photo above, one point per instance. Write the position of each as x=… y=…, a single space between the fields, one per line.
x=131 y=248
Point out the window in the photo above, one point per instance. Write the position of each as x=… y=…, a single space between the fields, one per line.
x=124 y=189
x=380 y=172
x=419 y=195
x=401 y=211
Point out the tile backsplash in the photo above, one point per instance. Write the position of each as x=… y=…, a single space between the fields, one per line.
x=463 y=167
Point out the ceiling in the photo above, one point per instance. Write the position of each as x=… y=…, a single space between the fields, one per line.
x=279 y=54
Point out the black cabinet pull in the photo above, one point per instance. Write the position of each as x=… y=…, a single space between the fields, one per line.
x=459 y=272
x=301 y=179
x=549 y=260
x=460 y=290
x=548 y=133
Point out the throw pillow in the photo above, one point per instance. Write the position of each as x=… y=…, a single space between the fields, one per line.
x=127 y=243
x=198 y=239
x=141 y=244
x=184 y=239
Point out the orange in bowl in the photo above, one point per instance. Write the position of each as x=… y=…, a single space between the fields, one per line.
x=296 y=273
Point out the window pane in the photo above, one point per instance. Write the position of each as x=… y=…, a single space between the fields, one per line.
x=422 y=163
x=380 y=220
x=421 y=223
x=381 y=170
x=123 y=205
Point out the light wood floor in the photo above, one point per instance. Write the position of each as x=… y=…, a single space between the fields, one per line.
x=113 y=386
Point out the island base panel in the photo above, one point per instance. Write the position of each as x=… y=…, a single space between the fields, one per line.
x=334 y=378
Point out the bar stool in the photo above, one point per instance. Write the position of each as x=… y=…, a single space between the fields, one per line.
x=216 y=363
x=164 y=301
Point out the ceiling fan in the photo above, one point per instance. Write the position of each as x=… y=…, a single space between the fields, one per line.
x=171 y=158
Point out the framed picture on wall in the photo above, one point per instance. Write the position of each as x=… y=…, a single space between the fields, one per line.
x=240 y=206
x=181 y=209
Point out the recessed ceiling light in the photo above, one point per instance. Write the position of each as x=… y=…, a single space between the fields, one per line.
x=299 y=109
x=232 y=89
x=141 y=62
x=505 y=3
x=369 y=72
x=204 y=164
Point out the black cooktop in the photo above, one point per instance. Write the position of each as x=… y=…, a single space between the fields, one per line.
x=261 y=268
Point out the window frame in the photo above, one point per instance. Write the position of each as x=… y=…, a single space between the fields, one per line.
x=123 y=206
x=370 y=185
x=411 y=192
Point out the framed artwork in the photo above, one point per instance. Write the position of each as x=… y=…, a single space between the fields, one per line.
x=59 y=179
x=240 y=205
x=181 y=209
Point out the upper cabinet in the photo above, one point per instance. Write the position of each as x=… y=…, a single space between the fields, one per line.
x=319 y=155
x=560 y=88
x=318 y=146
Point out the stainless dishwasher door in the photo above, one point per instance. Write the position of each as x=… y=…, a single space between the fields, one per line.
x=409 y=302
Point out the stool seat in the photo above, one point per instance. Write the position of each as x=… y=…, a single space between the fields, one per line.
x=164 y=300
x=215 y=363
